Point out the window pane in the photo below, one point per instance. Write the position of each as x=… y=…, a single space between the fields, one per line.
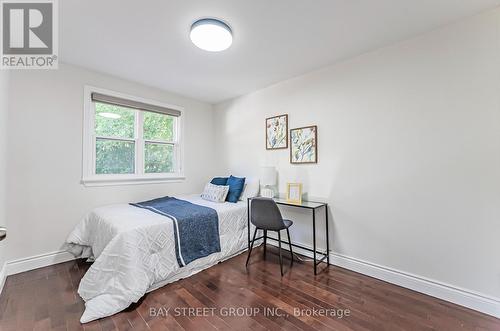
x=114 y=121
x=158 y=127
x=115 y=157
x=158 y=158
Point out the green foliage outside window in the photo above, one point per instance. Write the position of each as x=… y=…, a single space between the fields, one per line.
x=158 y=127
x=118 y=156
x=115 y=157
x=158 y=158
x=121 y=125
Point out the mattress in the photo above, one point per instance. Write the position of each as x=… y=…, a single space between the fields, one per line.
x=134 y=252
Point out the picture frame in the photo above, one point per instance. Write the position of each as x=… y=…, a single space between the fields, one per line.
x=294 y=193
x=304 y=145
x=277 y=132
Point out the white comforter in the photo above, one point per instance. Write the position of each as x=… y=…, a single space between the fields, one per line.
x=134 y=252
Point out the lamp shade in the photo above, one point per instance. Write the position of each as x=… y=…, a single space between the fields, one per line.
x=268 y=175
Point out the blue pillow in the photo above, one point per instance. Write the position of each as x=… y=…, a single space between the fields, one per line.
x=236 y=186
x=219 y=181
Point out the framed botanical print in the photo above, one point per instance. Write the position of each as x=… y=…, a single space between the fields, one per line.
x=277 y=132
x=304 y=145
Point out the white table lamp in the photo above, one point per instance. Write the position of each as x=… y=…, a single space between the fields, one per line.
x=268 y=177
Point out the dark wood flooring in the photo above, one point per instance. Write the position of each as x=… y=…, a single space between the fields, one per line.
x=47 y=299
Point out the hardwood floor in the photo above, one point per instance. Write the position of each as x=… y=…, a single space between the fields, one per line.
x=47 y=299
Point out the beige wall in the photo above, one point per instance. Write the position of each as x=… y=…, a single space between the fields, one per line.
x=409 y=152
x=45 y=197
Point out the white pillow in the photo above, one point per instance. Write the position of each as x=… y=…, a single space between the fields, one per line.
x=215 y=193
x=251 y=189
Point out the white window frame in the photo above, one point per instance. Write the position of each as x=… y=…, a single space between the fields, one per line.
x=90 y=178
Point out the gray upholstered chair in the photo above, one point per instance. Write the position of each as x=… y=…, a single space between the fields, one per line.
x=265 y=215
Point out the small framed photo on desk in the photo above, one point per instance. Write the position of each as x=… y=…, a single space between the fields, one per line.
x=294 y=193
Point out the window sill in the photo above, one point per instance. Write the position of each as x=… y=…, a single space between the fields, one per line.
x=118 y=180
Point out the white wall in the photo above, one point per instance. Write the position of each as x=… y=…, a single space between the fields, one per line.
x=45 y=197
x=4 y=97
x=409 y=152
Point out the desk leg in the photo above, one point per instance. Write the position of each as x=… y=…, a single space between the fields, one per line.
x=327 y=237
x=314 y=240
x=248 y=221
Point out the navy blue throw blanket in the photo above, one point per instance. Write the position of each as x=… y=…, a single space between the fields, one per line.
x=196 y=228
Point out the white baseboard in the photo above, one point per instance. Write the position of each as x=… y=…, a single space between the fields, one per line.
x=34 y=262
x=3 y=276
x=467 y=298
x=451 y=293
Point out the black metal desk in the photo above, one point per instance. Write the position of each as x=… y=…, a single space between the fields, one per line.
x=313 y=206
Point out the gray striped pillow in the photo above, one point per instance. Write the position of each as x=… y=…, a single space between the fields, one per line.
x=215 y=193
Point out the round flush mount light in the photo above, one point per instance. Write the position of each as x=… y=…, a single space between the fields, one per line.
x=211 y=34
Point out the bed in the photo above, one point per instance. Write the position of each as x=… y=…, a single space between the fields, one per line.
x=134 y=252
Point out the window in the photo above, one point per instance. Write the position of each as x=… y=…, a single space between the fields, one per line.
x=129 y=140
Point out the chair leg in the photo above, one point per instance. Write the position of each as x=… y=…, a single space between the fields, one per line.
x=251 y=246
x=290 y=245
x=265 y=242
x=281 y=258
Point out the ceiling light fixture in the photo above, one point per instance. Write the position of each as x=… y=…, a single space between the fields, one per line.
x=211 y=34
x=110 y=115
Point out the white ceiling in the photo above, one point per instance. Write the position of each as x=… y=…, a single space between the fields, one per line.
x=148 y=42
